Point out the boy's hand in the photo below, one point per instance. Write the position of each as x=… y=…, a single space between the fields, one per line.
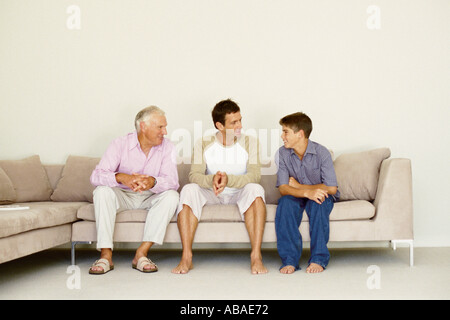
x=294 y=183
x=317 y=195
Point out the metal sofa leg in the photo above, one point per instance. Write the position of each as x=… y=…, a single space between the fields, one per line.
x=74 y=243
x=411 y=249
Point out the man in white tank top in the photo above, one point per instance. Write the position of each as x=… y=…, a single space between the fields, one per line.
x=225 y=169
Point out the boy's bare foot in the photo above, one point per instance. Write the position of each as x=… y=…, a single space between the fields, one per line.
x=314 y=268
x=287 y=270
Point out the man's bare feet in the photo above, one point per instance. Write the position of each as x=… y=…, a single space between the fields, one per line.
x=287 y=270
x=258 y=267
x=184 y=266
x=314 y=268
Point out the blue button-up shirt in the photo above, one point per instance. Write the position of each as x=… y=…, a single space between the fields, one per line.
x=315 y=168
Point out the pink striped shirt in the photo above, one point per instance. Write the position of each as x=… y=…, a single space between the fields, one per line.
x=124 y=155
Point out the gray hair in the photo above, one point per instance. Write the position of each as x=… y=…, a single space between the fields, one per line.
x=145 y=115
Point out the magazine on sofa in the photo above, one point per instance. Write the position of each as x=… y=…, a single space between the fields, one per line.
x=13 y=207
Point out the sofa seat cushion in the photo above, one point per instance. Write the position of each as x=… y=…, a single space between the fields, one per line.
x=40 y=215
x=342 y=211
x=346 y=210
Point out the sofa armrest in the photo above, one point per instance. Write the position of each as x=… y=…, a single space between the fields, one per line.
x=393 y=201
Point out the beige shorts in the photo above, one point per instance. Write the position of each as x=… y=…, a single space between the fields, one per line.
x=196 y=197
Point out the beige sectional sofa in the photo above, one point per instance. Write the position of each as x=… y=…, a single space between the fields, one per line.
x=375 y=205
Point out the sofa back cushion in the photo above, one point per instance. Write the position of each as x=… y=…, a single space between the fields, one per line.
x=75 y=184
x=357 y=173
x=29 y=179
x=7 y=192
x=54 y=172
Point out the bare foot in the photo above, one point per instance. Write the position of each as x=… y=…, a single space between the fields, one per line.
x=258 y=267
x=184 y=266
x=287 y=270
x=314 y=268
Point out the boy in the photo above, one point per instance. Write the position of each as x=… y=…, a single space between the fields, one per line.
x=307 y=181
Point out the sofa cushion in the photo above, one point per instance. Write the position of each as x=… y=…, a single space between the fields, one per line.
x=75 y=184
x=40 y=215
x=29 y=179
x=271 y=192
x=7 y=192
x=54 y=172
x=213 y=213
x=342 y=211
x=357 y=173
x=347 y=210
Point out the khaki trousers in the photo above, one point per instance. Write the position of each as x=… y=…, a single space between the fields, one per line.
x=110 y=201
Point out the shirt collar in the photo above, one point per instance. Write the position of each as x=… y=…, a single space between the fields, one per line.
x=310 y=148
x=133 y=142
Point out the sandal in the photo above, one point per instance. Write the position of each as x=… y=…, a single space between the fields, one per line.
x=102 y=263
x=142 y=262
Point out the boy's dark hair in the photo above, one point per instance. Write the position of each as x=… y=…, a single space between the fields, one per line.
x=298 y=121
x=222 y=108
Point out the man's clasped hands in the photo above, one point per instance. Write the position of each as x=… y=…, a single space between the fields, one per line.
x=141 y=182
x=136 y=182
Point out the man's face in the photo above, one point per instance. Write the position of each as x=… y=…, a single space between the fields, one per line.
x=233 y=124
x=290 y=138
x=155 y=129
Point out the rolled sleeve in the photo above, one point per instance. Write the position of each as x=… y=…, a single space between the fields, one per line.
x=328 y=175
x=105 y=172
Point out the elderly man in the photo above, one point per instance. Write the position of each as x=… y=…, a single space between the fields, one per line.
x=225 y=170
x=138 y=171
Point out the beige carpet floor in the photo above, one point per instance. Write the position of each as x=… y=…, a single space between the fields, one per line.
x=353 y=273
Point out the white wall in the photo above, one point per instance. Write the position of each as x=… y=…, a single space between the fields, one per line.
x=66 y=91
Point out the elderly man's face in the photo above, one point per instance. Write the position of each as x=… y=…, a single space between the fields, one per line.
x=155 y=129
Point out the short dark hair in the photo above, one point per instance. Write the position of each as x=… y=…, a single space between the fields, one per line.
x=298 y=121
x=223 y=108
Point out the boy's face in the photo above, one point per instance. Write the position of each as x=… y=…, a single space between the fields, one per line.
x=291 y=138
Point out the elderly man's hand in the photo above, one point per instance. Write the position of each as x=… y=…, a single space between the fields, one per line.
x=136 y=182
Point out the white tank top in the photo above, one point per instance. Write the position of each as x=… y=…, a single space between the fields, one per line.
x=230 y=159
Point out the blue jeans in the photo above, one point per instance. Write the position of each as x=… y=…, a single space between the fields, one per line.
x=289 y=240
